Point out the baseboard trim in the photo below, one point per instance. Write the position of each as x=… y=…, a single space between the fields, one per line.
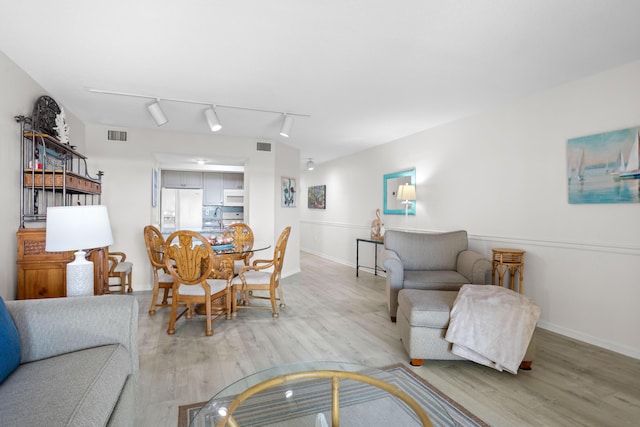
x=589 y=339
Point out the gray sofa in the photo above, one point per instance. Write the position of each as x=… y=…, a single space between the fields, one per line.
x=79 y=362
x=432 y=261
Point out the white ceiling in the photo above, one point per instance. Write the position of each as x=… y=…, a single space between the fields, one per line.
x=366 y=71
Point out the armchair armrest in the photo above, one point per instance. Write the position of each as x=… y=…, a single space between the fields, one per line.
x=393 y=266
x=475 y=267
x=49 y=327
x=394 y=280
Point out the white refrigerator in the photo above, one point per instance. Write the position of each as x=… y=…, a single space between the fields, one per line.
x=181 y=209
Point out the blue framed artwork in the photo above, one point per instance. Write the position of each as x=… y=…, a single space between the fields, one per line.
x=391 y=182
x=604 y=168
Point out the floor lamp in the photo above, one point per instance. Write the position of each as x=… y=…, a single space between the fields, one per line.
x=406 y=193
x=77 y=228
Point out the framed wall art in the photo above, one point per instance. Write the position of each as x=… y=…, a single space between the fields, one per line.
x=288 y=192
x=316 y=197
x=604 y=168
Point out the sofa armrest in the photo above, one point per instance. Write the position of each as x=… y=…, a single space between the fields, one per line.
x=49 y=327
x=475 y=267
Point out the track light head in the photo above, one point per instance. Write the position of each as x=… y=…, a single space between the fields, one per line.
x=287 y=122
x=157 y=113
x=212 y=118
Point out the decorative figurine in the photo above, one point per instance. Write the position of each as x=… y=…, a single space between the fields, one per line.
x=62 y=128
x=377 y=228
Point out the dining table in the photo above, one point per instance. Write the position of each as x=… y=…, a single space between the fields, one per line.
x=234 y=252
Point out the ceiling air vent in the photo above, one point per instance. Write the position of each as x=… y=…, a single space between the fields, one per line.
x=117 y=135
x=263 y=146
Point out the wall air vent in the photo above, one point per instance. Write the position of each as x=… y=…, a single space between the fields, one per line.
x=117 y=135
x=263 y=146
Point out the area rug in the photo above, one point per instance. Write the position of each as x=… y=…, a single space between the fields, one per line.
x=445 y=411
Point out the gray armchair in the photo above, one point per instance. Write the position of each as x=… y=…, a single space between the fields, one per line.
x=433 y=261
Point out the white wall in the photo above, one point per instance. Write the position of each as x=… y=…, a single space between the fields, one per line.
x=501 y=175
x=288 y=165
x=127 y=185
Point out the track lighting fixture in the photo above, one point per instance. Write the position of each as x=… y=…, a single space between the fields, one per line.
x=287 y=122
x=311 y=165
x=210 y=113
x=157 y=113
x=212 y=119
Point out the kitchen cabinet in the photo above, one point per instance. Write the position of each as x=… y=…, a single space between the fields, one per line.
x=182 y=179
x=212 y=188
x=232 y=181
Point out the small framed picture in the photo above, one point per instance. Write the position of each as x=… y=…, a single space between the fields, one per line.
x=289 y=192
x=316 y=197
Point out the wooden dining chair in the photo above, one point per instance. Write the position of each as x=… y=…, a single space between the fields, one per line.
x=199 y=277
x=120 y=271
x=154 y=242
x=242 y=236
x=263 y=275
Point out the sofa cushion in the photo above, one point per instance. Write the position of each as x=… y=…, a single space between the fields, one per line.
x=79 y=388
x=434 y=279
x=9 y=343
x=427 y=251
x=429 y=309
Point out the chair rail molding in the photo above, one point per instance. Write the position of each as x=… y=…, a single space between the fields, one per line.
x=561 y=244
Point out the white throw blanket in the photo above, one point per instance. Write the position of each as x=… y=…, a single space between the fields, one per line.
x=492 y=325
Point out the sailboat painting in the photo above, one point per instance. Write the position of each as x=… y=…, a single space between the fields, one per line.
x=605 y=167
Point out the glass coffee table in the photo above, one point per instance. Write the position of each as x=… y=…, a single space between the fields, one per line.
x=311 y=393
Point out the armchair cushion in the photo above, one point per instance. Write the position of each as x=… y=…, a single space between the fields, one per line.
x=9 y=343
x=434 y=280
x=427 y=251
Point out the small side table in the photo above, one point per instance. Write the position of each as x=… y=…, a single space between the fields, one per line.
x=375 y=267
x=508 y=259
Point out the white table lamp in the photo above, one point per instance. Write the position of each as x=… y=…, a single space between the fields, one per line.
x=406 y=193
x=78 y=228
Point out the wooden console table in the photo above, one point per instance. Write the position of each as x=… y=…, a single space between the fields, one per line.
x=42 y=274
x=375 y=268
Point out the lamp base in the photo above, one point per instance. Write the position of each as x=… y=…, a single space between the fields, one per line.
x=79 y=276
x=406 y=204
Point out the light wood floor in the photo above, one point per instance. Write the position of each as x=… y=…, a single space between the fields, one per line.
x=332 y=315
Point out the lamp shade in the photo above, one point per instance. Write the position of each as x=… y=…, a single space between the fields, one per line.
x=406 y=192
x=311 y=165
x=77 y=227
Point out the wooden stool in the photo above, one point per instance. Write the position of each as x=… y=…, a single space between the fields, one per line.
x=508 y=259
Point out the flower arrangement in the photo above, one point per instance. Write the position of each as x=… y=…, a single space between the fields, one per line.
x=219 y=240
